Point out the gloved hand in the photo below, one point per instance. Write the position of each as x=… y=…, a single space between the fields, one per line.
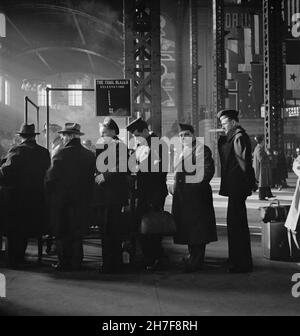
x=99 y=179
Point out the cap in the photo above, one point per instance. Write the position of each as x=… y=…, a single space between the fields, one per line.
x=111 y=124
x=138 y=123
x=186 y=127
x=233 y=114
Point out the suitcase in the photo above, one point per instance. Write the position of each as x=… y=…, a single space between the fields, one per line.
x=274 y=240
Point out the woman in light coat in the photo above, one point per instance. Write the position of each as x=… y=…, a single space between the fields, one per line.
x=292 y=221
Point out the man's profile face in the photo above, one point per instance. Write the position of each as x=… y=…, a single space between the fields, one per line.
x=66 y=137
x=186 y=137
x=107 y=134
x=227 y=124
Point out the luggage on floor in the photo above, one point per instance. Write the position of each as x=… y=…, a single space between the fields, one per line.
x=274 y=240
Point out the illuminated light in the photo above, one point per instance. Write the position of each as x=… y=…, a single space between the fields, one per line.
x=2 y=25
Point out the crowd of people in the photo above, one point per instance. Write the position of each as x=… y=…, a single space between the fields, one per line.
x=61 y=194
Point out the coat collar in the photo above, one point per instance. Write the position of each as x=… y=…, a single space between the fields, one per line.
x=74 y=143
x=30 y=142
x=233 y=132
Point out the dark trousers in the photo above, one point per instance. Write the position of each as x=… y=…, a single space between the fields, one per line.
x=113 y=231
x=197 y=253
x=70 y=251
x=264 y=192
x=151 y=245
x=16 y=247
x=238 y=234
x=69 y=234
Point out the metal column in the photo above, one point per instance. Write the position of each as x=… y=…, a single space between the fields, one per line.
x=219 y=70
x=142 y=57
x=273 y=74
x=195 y=66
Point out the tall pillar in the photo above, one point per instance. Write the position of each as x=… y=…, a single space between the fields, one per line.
x=142 y=58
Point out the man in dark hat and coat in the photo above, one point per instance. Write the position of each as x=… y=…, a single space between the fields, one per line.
x=111 y=196
x=192 y=205
x=69 y=184
x=237 y=182
x=22 y=179
x=151 y=188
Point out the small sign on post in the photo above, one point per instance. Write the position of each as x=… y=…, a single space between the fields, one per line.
x=113 y=97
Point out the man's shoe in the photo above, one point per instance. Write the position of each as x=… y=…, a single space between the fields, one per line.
x=60 y=267
x=263 y=199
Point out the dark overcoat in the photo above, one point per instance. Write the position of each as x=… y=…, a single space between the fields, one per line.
x=237 y=173
x=113 y=192
x=70 y=184
x=262 y=167
x=192 y=205
x=22 y=189
x=151 y=185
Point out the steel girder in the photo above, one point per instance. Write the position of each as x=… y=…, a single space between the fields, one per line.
x=273 y=74
x=142 y=58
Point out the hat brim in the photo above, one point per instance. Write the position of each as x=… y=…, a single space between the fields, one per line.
x=70 y=132
x=20 y=133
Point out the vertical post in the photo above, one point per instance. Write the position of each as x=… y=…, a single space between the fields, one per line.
x=47 y=120
x=194 y=61
x=142 y=57
x=26 y=110
x=38 y=122
x=273 y=74
x=219 y=70
x=181 y=6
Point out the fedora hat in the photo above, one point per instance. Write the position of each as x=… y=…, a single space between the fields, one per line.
x=71 y=128
x=27 y=129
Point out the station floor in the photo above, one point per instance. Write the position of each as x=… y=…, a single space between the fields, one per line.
x=39 y=290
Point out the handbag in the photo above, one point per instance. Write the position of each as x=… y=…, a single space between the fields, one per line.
x=274 y=212
x=158 y=222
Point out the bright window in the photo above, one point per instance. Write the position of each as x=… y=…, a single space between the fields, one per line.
x=6 y=92
x=75 y=97
x=1 y=88
x=42 y=100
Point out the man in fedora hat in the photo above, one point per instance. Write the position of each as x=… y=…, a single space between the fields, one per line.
x=237 y=183
x=22 y=177
x=69 y=184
